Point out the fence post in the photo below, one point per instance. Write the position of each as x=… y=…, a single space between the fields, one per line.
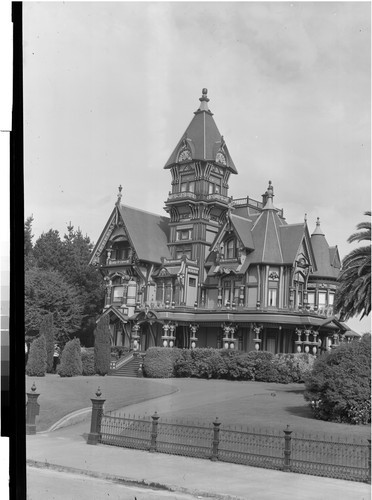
x=154 y=431
x=369 y=460
x=216 y=439
x=95 y=424
x=32 y=408
x=287 y=449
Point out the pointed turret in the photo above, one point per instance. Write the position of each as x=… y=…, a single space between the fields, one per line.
x=323 y=252
x=202 y=140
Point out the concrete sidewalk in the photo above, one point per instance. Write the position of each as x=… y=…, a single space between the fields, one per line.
x=66 y=450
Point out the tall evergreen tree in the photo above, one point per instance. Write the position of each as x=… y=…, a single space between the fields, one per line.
x=28 y=247
x=353 y=297
x=47 y=329
x=49 y=252
x=48 y=292
x=102 y=346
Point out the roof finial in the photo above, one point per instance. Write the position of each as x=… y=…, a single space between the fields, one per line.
x=270 y=190
x=318 y=229
x=203 y=102
x=119 y=193
x=305 y=218
x=204 y=95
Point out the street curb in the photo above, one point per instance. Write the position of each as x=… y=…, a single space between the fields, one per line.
x=131 y=482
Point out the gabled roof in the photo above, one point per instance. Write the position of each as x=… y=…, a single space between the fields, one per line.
x=326 y=257
x=243 y=228
x=291 y=236
x=202 y=138
x=148 y=233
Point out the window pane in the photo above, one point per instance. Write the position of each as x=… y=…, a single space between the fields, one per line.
x=330 y=299
x=311 y=298
x=322 y=298
x=272 y=297
x=191 y=187
x=184 y=187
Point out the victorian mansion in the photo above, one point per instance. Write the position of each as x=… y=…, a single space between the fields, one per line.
x=216 y=271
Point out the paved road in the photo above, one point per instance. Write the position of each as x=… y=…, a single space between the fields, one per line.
x=44 y=484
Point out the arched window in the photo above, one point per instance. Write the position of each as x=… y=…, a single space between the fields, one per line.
x=230 y=249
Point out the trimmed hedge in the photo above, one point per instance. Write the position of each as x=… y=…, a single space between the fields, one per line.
x=37 y=358
x=71 y=365
x=102 y=346
x=339 y=386
x=87 y=361
x=227 y=364
x=159 y=362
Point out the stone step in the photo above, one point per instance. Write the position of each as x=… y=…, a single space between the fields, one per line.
x=130 y=369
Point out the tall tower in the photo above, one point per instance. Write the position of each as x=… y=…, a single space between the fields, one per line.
x=200 y=166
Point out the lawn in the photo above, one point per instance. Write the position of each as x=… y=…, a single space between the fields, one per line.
x=61 y=396
x=253 y=404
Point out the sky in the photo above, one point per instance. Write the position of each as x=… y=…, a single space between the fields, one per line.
x=110 y=88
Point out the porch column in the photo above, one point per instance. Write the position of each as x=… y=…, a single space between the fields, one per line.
x=193 y=340
x=257 y=341
x=135 y=337
x=165 y=337
x=298 y=342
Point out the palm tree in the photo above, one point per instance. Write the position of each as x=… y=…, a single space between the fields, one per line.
x=353 y=297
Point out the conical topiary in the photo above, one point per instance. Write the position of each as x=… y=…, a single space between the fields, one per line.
x=37 y=358
x=71 y=365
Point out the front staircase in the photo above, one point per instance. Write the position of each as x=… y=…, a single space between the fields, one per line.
x=127 y=366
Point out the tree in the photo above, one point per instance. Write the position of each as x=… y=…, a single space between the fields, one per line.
x=70 y=257
x=339 y=386
x=353 y=297
x=71 y=365
x=28 y=248
x=37 y=359
x=47 y=329
x=102 y=346
x=49 y=252
x=48 y=292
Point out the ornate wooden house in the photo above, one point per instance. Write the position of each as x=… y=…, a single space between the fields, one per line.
x=216 y=271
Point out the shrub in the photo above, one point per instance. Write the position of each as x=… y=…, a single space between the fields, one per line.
x=71 y=365
x=160 y=362
x=263 y=367
x=293 y=367
x=184 y=365
x=37 y=358
x=87 y=361
x=102 y=346
x=339 y=386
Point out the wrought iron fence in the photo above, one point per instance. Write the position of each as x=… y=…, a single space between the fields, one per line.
x=271 y=449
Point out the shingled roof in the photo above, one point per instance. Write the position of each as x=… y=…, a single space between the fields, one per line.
x=202 y=138
x=148 y=233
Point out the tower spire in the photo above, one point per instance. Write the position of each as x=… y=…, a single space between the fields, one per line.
x=269 y=197
x=119 y=195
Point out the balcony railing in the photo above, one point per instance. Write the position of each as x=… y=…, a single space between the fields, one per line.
x=183 y=194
